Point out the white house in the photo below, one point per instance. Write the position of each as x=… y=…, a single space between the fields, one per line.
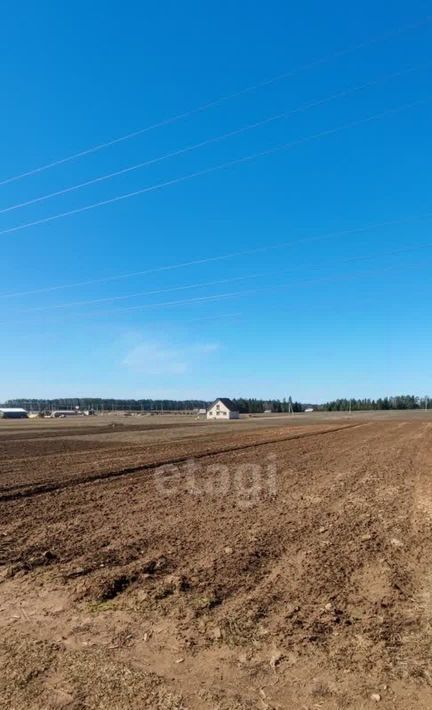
x=222 y=409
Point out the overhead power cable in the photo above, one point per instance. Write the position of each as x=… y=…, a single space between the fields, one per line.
x=198 y=319
x=233 y=279
x=222 y=257
x=234 y=294
x=251 y=291
x=227 y=97
x=215 y=168
x=215 y=139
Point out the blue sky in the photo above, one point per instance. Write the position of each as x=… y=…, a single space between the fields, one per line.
x=327 y=291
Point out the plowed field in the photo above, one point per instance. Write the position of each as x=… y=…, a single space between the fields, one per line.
x=253 y=565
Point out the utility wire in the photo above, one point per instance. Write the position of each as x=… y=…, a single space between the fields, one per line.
x=265 y=274
x=199 y=319
x=223 y=257
x=215 y=139
x=210 y=104
x=245 y=292
x=215 y=168
x=234 y=294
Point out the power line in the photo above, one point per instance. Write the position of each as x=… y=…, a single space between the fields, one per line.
x=199 y=319
x=215 y=168
x=244 y=292
x=146 y=293
x=210 y=104
x=233 y=294
x=214 y=139
x=223 y=257
x=265 y=274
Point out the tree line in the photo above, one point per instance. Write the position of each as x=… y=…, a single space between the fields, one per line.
x=108 y=404
x=403 y=401
x=243 y=405
x=258 y=406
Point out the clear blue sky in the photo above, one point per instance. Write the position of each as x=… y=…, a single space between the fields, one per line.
x=312 y=318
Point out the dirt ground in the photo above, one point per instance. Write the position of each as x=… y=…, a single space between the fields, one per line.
x=174 y=564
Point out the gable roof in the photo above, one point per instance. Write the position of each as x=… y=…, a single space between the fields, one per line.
x=227 y=402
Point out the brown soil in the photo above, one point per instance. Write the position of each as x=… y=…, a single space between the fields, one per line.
x=305 y=583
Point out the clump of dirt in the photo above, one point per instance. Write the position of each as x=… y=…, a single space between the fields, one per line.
x=31 y=562
x=111 y=587
x=105 y=584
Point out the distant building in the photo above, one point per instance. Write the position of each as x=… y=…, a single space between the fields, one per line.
x=222 y=409
x=60 y=413
x=13 y=413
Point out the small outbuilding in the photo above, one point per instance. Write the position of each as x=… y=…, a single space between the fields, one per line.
x=62 y=413
x=13 y=413
x=222 y=409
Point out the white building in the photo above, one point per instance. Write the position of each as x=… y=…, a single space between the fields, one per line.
x=222 y=409
x=13 y=413
x=62 y=413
